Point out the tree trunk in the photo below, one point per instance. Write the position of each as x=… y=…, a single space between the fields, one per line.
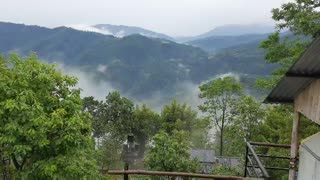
x=221 y=132
x=221 y=141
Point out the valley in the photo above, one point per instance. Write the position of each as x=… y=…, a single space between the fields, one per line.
x=144 y=68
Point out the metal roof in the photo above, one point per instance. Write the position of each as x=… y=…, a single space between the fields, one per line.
x=298 y=77
x=204 y=156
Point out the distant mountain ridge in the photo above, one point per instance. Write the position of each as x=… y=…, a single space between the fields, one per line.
x=226 y=30
x=214 y=43
x=237 y=29
x=232 y=30
x=137 y=65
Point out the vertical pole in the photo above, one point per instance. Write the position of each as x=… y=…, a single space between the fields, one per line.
x=126 y=167
x=246 y=162
x=294 y=145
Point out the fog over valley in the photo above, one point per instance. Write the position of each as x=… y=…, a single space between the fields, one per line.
x=159 y=89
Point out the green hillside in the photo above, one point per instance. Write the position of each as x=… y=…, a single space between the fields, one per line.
x=136 y=65
x=214 y=43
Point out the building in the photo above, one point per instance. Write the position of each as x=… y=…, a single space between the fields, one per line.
x=301 y=86
x=208 y=160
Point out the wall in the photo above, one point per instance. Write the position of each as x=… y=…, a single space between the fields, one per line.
x=309 y=165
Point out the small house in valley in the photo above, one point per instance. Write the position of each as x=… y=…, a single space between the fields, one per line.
x=208 y=161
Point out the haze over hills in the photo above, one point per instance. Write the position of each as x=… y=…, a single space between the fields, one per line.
x=213 y=43
x=138 y=66
x=226 y=30
x=231 y=30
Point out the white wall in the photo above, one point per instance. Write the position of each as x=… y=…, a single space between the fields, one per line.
x=309 y=166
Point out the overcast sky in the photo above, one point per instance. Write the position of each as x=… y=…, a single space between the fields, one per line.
x=173 y=17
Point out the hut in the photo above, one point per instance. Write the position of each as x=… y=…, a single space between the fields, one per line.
x=301 y=86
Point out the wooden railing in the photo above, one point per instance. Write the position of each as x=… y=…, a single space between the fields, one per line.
x=253 y=164
x=170 y=174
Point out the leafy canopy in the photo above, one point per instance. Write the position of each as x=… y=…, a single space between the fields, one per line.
x=171 y=153
x=42 y=129
x=220 y=96
x=302 y=18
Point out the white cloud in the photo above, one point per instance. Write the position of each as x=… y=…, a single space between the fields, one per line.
x=84 y=27
x=102 y=68
x=120 y=34
x=88 y=82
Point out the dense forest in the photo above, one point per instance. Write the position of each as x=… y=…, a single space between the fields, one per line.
x=49 y=131
x=136 y=65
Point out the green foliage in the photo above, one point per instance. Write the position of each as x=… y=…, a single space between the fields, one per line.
x=283 y=52
x=200 y=136
x=300 y=16
x=247 y=123
x=114 y=119
x=119 y=114
x=42 y=129
x=178 y=117
x=94 y=108
x=227 y=171
x=220 y=96
x=249 y=116
x=110 y=152
x=147 y=123
x=276 y=128
x=171 y=153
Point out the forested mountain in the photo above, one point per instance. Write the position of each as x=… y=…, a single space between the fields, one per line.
x=135 y=64
x=244 y=58
x=214 y=43
x=231 y=30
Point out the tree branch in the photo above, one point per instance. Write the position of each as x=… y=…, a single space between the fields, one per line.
x=16 y=164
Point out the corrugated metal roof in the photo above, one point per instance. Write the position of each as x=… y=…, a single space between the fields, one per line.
x=298 y=77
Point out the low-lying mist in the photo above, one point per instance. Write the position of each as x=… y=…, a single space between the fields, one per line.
x=183 y=92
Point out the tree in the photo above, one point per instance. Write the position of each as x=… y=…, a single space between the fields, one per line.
x=147 y=123
x=200 y=136
x=178 y=117
x=247 y=123
x=302 y=18
x=114 y=119
x=276 y=128
x=119 y=114
x=95 y=109
x=249 y=116
x=283 y=52
x=125 y=119
x=219 y=97
x=112 y=122
x=42 y=129
x=171 y=153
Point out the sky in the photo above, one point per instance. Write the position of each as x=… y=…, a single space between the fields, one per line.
x=172 y=17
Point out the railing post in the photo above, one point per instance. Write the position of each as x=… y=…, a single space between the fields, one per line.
x=246 y=161
x=126 y=168
x=294 y=145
